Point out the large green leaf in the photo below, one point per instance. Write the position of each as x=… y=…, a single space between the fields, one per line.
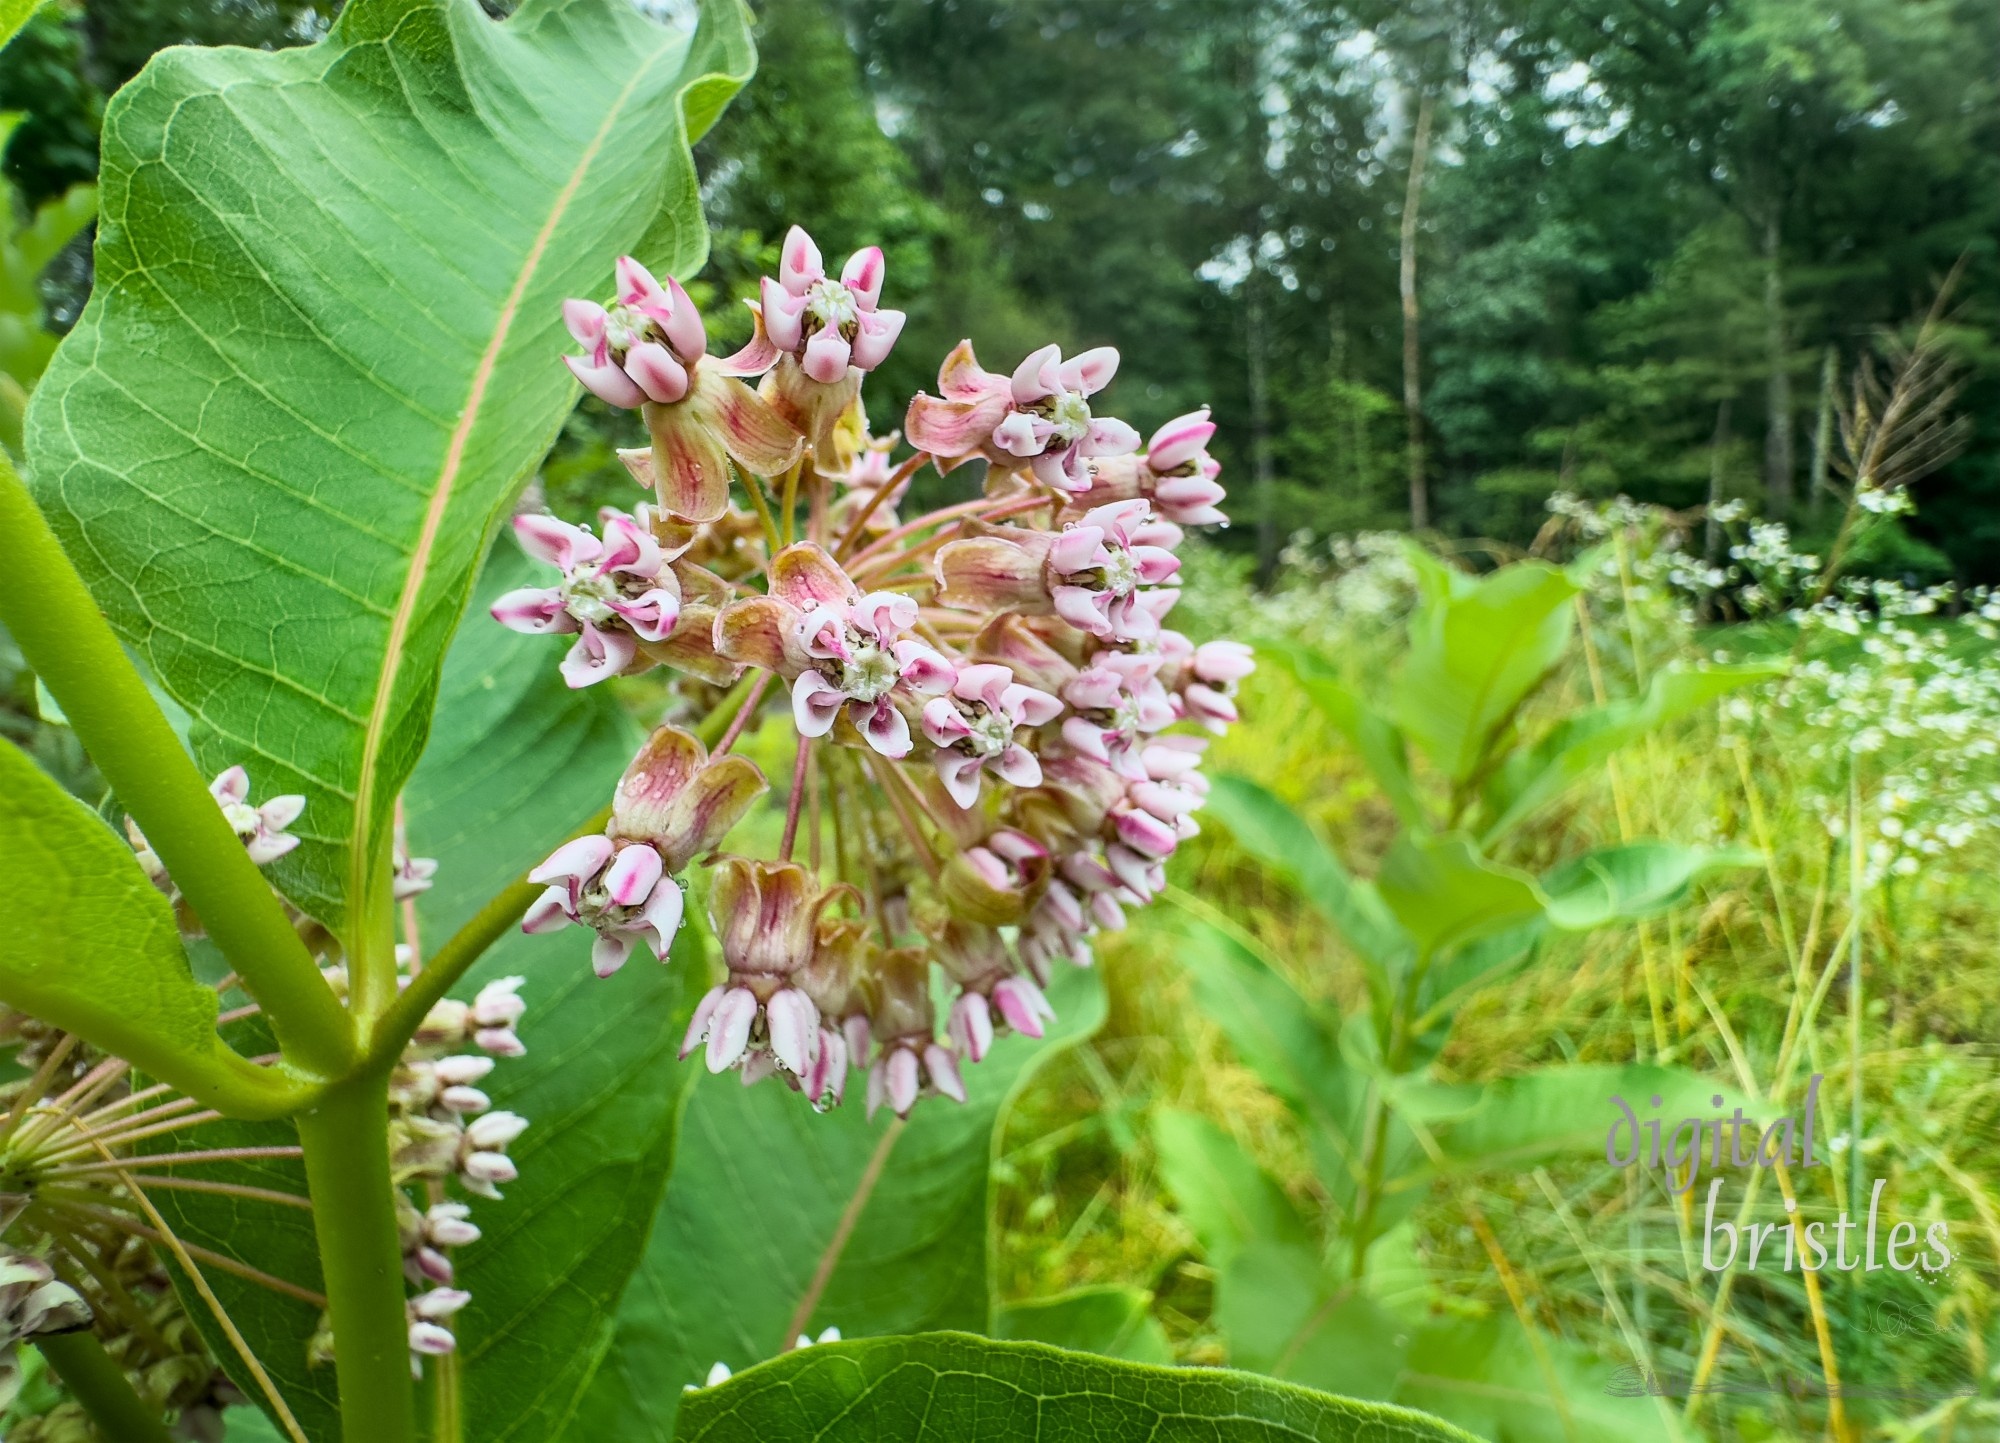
x=1292 y=1045
x=1373 y=736
x=949 y=1388
x=1537 y=775
x=1282 y=840
x=94 y=948
x=779 y=1220
x=1485 y=1375
x=1446 y=895
x=1635 y=879
x=1221 y=1193
x=1478 y=647
x=321 y=357
x=516 y=761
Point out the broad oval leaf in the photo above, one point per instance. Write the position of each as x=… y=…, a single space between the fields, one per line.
x=951 y=1388
x=780 y=1221
x=322 y=356
x=1631 y=880
x=516 y=761
x=1479 y=646
x=1446 y=895
x=93 y=948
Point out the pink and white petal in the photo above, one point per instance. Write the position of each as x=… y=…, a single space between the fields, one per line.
x=799 y=263
x=943 y=1069
x=1093 y=369
x=577 y=860
x=636 y=285
x=962 y=378
x=1082 y=608
x=704 y=1012
x=265 y=848
x=1155 y=564
x=653 y=367
x=535 y=610
x=280 y=812
x=1016 y=999
x=1085 y=736
x=546 y=538
x=884 y=728
x=231 y=787
x=960 y=775
x=606 y=382
x=826 y=356
x=585 y=320
x=1179 y=441
x=685 y=332
x=1078 y=548
x=1037 y=377
x=1018 y=765
x=758 y=355
x=793 y=1023
x=632 y=875
x=923 y=670
x=863 y=276
x=596 y=655
x=971 y=1026
x=610 y=951
x=1109 y=436
x=1022 y=434
x=983 y=681
x=1029 y=706
x=729 y=1028
x=902 y=1081
x=548 y=912
x=816 y=704
x=943 y=723
x=654 y=614
x=875 y=336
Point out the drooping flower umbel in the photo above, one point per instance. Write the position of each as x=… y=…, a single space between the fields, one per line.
x=994 y=738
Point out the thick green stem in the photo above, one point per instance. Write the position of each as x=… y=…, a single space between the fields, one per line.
x=346 y=1142
x=70 y=646
x=99 y=1385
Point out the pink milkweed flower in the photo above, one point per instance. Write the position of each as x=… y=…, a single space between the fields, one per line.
x=764 y=914
x=994 y=879
x=261 y=829
x=1039 y=420
x=621 y=892
x=672 y=805
x=1208 y=680
x=1175 y=473
x=1116 y=703
x=1102 y=573
x=973 y=728
x=976 y=958
x=648 y=349
x=412 y=876
x=642 y=346
x=492 y=1016
x=482 y=1152
x=828 y=324
x=843 y=651
x=616 y=592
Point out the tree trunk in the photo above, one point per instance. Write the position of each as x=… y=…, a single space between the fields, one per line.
x=1778 y=460
x=1822 y=455
x=1413 y=396
x=1263 y=479
x=1711 y=550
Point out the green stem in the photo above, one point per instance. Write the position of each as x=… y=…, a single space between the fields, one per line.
x=346 y=1139
x=70 y=646
x=100 y=1386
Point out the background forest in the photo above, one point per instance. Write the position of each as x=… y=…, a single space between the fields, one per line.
x=1596 y=282
x=1603 y=245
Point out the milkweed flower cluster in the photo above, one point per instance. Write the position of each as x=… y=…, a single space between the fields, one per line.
x=997 y=733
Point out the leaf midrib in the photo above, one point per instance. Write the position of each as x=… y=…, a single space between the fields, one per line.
x=360 y=871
